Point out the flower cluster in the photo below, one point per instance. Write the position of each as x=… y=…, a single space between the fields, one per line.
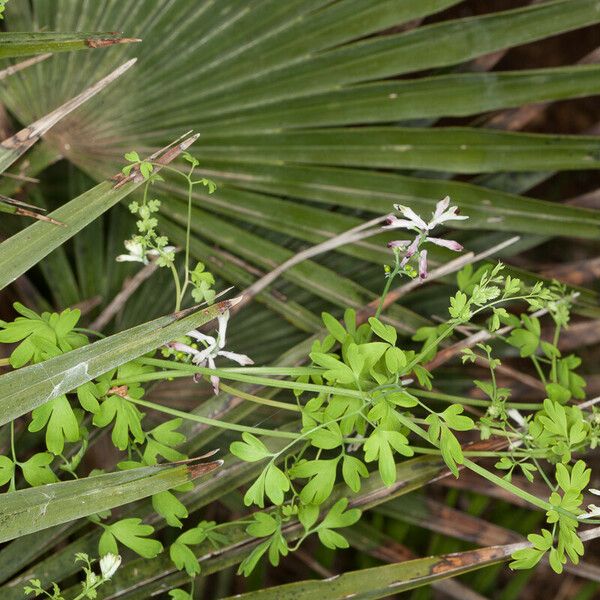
x=137 y=252
x=148 y=245
x=413 y=222
x=213 y=347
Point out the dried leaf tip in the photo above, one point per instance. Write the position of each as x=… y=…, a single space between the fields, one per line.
x=188 y=142
x=200 y=469
x=234 y=301
x=28 y=213
x=222 y=307
x=14 y=202
x=125 y=66
x=104 y=42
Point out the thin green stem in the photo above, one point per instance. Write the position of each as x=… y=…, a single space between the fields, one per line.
x=289 y=371
x=186 y=278
x=171 y=169
x=178 y=293
x=553 y=372
x=538 y=368
x=470 y=401
x=212 y=422
x=385 y=292
x=506 y=485
x=453 y=324
x=181 y=289
x=12 y=485
x=475 y=453
x=84 y=594
x=258 y=400
x=543 y=473
x=509 y=487
x=66 y=466
x=446 y=333
x=12 y=441
x=145 y=196
x=89 y=332
x=234 y=376
x=493 y=375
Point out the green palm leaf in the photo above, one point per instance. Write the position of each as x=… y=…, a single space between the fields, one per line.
x=388 y=580
x=24 y=44
x=33 y=509
x=24 y=389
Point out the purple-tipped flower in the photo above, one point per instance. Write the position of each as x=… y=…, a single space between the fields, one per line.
x=402 y=244
x=450 y=244
x=411 y=250
x=423 y=265
x=393 y=222
x=183 y=348
x=443 y=212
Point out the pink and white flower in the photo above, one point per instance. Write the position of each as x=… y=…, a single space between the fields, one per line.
x=214 y=347
x=450 y=244
x=393 y=222
x=410 y=251
x=412 y=221
x=443 y=213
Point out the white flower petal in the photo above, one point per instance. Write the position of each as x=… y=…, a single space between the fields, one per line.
x=449 y=215
x=129 y=258
x=134 y=248
x=516 y=416
x=181 y=347
x=201 y=337
x=204 y=355
x=223 y=318
x=241 y=359
x=109 y=563
x=410 y=214
x=441 y=206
